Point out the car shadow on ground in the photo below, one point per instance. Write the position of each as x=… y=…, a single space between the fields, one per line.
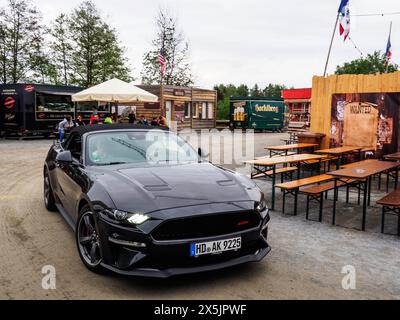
x=197 y=280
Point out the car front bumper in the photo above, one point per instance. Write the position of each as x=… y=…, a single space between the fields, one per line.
x=127 y=251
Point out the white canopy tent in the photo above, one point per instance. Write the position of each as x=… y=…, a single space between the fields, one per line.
x=115 y=91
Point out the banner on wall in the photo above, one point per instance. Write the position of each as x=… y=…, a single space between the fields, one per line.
x=366 y=120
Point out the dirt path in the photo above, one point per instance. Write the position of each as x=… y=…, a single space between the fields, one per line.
x=305 y=262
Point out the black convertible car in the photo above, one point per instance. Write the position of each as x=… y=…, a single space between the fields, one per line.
x=143 y=202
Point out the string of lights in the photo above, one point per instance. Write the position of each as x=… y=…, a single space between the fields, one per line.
x=355 y=46
x=376 y=14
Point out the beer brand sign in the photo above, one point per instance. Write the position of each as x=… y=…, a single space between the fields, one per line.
x=266 y=108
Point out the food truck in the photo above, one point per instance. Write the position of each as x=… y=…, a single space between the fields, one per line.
x=259 y=113
x=35 y=109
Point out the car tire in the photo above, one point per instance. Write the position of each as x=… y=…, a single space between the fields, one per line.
x=48 y=196
x=88 y=241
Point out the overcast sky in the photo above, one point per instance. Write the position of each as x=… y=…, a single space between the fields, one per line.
x=249 y=41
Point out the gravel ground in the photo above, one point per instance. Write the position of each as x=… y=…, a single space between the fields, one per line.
x=305 y=262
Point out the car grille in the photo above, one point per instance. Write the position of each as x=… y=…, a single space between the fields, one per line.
x=206 y=225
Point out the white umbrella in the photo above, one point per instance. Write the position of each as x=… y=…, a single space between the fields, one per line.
x=116 y=91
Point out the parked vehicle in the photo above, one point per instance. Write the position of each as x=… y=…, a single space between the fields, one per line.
x=258 y=113
x=28 y=110
x=142 y=202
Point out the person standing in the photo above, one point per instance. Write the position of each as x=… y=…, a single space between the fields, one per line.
x=79 y=121
x=132 y=117
x=64 y=126
x=108 y=120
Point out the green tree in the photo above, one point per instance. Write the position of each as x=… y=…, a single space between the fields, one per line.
x=20 y=30
x=61 y=48
x=3 y=46
x=242 y=90
x=371 y=64
x=41 y=67
x=175 y=51
x=273 y=90
x=97 y=55
x=255 y=91
x=114 y=63
x=224 y=92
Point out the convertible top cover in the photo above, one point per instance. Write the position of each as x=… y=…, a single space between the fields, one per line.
x=81 y=130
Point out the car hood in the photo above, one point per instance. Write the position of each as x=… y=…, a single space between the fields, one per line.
x=163 y=187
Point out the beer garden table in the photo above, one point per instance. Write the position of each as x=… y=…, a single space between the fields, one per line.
x=283 y=149
x=393 y=156
x=339 y=152
x=262 y=165
x=363 y=171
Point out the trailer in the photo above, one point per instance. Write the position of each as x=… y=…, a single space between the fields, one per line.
x=36 y=109
x=259 y=113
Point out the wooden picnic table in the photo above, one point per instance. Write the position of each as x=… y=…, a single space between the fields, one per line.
x=340 y=152
x=363 y=171
x=393 y=156
x=262 y=165
x=283 y=149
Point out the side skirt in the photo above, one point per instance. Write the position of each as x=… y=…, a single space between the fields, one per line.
x=66 y=216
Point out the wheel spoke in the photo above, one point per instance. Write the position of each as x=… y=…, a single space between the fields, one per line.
x=85 y=240
x=88 y=223
x=93 y=253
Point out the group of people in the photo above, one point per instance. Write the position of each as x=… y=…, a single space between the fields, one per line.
x=155 y=122
x=68 y=123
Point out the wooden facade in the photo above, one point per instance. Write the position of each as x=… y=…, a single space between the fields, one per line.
x=324 y=87
x=190 y=108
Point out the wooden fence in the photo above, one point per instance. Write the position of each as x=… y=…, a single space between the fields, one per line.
x=324 y=87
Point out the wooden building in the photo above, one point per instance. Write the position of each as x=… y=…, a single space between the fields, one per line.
x=328 y=91
x=298 y=104
x=187 y=107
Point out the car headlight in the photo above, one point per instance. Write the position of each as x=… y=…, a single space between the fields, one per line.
x=133 y=218
x=262 y=204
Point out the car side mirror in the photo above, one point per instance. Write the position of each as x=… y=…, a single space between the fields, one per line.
x=64 y=156
x=203 y=154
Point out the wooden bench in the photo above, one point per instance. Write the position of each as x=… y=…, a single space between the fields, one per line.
x=317 y=192
x=285 y=171
x=323 y=161
x=293 y=187
x=390 y=204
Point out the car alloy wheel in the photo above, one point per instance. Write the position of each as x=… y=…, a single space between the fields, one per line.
x=88 y=240
x=48 y=197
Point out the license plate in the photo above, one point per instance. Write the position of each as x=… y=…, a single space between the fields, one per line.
x=214 y=247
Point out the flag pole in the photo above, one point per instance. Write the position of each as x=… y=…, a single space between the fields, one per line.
x=330 y=46
x=390 y=33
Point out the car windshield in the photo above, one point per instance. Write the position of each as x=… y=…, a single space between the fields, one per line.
x=152 y=147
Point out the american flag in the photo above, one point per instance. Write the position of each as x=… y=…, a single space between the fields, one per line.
x=161 y=59
x=388 y=48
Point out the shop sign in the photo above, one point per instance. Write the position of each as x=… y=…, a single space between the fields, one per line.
x=152 y=105
x=9 y=102
x=179 y=92
x=29 y=88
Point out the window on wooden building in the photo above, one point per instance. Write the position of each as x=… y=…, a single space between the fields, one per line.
x=187 y=109
x=195 y=110
x=210 y=110
x=204 y=110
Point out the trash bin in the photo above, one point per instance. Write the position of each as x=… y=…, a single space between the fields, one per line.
x=310 y=137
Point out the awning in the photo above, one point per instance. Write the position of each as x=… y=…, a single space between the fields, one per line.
x=116 y=91
x=56 y=93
